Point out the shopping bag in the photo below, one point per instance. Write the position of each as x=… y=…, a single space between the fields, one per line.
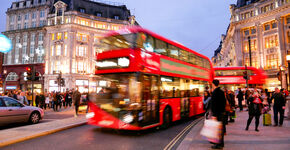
x=267 y=120
x=212 y=130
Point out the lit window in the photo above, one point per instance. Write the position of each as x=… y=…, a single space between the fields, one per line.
x=52 y=36
x=82 y=10
x=59 y=36
x=99 y=14
x=117 y=17
x=65 y=35
x=272 y=61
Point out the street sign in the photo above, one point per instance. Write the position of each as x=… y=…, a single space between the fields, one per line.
x=5 y=44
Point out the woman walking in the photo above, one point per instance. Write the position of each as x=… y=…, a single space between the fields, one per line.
x=255 y=108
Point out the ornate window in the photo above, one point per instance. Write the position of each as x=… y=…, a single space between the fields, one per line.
x=272 y=61
x=271 y=41
x=12 y=76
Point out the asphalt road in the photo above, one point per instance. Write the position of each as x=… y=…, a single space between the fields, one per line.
x=89 y=137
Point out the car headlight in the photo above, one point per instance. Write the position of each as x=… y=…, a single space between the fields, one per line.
x=90 y=115
x=128 y=118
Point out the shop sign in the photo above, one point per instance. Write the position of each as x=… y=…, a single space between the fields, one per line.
x=11 y=87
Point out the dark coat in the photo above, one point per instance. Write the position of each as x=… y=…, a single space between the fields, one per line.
x=240 y=96
x=254 y=109
x=218 y=102
x=279 y=100
x=76 y=97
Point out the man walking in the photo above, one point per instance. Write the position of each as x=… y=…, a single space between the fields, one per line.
x=240 y=97
x=279 y=106
x=218 y=104
x=76 y=101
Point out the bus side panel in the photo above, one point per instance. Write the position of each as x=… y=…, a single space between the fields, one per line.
x=174 y=104
x=191 y=107
x=197 y=106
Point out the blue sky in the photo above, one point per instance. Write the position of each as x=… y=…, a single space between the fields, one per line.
x=197 y=24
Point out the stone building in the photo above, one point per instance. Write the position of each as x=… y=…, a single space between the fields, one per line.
x=73 y=31
x=25 y=21
x=267 y=24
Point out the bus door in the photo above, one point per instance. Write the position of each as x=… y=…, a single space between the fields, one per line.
x=150 y=99
x=184 y=104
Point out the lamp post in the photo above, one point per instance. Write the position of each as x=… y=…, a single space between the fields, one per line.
x=288 y=60
x=250 y=50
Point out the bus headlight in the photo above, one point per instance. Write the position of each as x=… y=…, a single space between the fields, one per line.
x=90 y=115
x=128 y=118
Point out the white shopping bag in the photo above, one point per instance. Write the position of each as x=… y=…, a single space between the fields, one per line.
x=212 y=130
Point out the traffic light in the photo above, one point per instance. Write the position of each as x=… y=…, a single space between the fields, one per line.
x=62 y=82
x=245 y=75
x=36 y=76
x=29 y=73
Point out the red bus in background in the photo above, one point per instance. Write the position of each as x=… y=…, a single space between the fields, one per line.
x=232 y=77
x=147 y=81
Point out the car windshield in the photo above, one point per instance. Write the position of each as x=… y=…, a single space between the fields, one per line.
x=117 y=92
x=118 y=42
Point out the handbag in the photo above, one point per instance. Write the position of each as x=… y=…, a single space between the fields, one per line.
x=228 y=107
x=212 y=130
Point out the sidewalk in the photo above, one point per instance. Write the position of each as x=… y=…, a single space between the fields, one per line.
x=14 y=135
x=237 y=138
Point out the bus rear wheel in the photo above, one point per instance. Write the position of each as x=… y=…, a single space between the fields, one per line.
x=167 y=117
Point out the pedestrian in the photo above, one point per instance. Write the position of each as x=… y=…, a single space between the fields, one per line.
x=232 y=102
x=255 y=108
x=58 y=100
x=206 y=104
x=76 y=101
x=54 y=101
x=15 y=95
x=268 y=94
x=24 y=98
x=279 y=106
x=218 y=103
x=47 y=100
x=37 y=99
x=240 y=97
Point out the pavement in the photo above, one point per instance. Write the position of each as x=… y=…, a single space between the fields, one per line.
x=268 y=138
x=45 y=127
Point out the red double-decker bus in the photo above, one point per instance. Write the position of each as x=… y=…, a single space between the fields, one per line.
x=147 y=81
x=233 y=77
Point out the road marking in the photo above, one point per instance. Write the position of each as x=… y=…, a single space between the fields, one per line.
x=180 y=135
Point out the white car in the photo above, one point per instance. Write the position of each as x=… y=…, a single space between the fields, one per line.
x=12 y=111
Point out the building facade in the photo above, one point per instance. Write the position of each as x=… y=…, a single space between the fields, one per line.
x=73 y=31
x=265 y=24
x=25 y=21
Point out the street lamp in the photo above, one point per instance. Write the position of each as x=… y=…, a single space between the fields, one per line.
x=288 y=60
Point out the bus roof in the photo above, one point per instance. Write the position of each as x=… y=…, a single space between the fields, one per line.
x=136 y=29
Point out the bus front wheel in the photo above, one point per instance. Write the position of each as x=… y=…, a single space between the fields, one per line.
x=167 y=117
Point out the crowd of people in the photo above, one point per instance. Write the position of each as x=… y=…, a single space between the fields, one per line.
x=47 y=100
x=220 y=105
